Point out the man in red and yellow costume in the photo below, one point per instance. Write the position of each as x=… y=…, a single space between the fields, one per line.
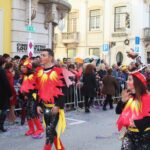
x=49 y=81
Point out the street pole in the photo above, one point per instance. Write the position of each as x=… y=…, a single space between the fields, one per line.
x=30 y=41
x=30 y=23
x=103 y=55
x=86 y=38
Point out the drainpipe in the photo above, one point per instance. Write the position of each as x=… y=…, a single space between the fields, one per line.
x=86 y=29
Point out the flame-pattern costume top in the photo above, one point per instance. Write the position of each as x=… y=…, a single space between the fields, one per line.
x=28 y=83
x=49 y=84
x=28 y=80
x=134 y=111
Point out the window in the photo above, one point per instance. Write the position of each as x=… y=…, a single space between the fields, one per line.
x=120 y=19
x=148 y=57
x=119 y=57
x=94 y=19
x=71 y=53
x=72 y=22
x=94 y=51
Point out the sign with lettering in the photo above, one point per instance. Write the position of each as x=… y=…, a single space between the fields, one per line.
x=30 y=28
x=22 y=47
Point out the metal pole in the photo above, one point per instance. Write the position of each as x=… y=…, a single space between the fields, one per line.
x=86 y=30
x=30 y=23
x=103 y=30
x=50 y=38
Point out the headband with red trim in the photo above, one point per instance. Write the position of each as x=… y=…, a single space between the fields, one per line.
x=141 y=77
x=28 y=64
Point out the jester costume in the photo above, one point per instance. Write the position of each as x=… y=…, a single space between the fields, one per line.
x=135 y=117
x=30 y=94
x=49 y=85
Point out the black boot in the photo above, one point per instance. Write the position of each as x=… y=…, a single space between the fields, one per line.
x=104 y=108
x=87 y=110
x=2 y=128
x=2 y=119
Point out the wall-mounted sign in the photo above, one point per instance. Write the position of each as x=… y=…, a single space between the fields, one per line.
x=30 y=47
x=137 y=49
x=137 y=40
x=22 y=47
x=105 y=48
x=30 y=28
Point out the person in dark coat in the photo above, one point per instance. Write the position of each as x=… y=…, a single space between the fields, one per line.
x=5 y=94
x=89 y=86
x=109 y=86
x=10 y=75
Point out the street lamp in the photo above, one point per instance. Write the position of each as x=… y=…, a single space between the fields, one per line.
x=30 y=41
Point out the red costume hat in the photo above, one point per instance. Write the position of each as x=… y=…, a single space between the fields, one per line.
x=140 y=76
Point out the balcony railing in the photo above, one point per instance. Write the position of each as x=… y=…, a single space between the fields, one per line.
x=72 y=37
x=120 y=32
x=146 y=34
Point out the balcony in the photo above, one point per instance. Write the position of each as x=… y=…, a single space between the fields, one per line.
x=70 y=38
x=146 y=34
x=147 y=1
x=120 y=32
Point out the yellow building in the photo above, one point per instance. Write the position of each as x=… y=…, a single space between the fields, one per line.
x=5 y=26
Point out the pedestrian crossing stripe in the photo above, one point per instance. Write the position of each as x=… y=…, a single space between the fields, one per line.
x=75 y=121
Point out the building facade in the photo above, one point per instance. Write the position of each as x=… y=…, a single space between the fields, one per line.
x=105 y=28
x=45 y=15
x=5 y=26
x=15 y=30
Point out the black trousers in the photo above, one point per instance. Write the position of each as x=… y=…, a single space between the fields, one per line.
x=31 y=105
x=3 y=114
x=51 y=121
x=136 y=141
x=108 y=100
x=88 y=101
x=31 y=109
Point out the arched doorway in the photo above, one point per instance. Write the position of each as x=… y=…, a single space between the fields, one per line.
x=119 y=58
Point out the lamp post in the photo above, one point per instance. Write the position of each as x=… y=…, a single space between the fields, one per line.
x=30 y=18
x=30 y=41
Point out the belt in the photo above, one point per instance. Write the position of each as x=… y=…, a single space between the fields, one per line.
x=49 y=105
x=34 y=95
x=137 y=130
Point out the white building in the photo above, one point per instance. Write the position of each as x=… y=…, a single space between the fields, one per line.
x=92 y=25
x=45 y=16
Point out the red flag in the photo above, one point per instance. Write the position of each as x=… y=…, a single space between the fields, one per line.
x=66 y=75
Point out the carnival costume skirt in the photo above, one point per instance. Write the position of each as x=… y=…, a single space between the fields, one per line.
x=136 y=140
